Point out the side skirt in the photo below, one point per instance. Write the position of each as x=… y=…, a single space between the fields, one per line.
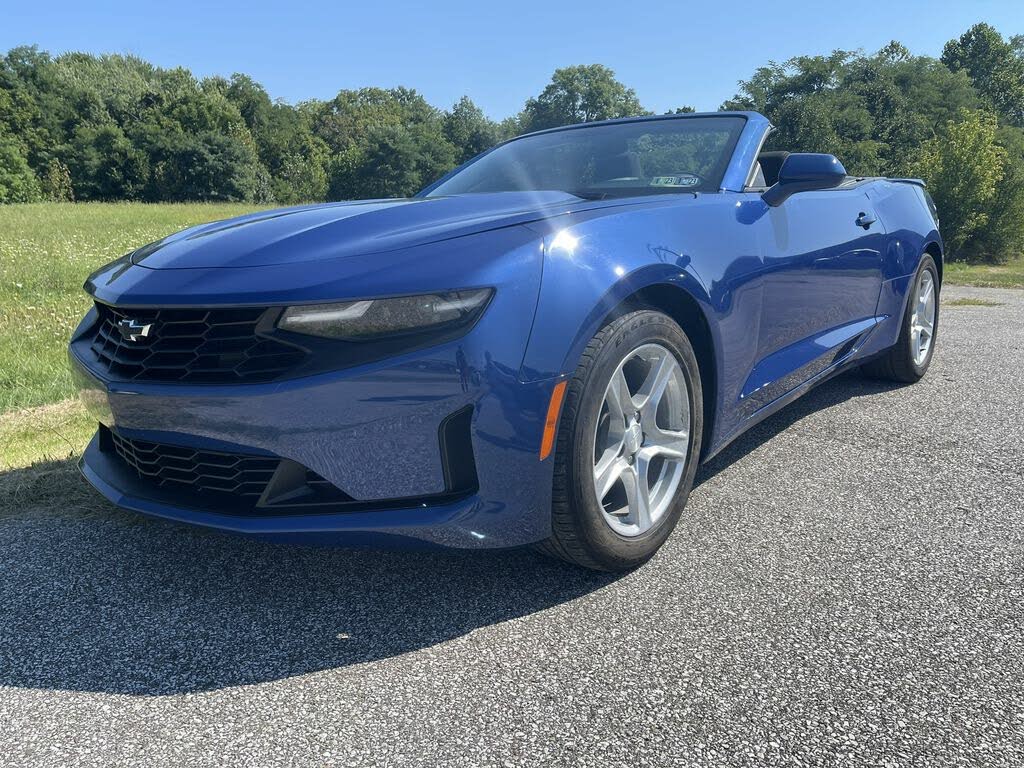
x=850 y=360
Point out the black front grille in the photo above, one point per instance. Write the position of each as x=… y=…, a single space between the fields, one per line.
x=240 y=475
x=214 y=346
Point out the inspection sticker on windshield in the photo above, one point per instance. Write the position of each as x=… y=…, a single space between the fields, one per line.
x=682 y=180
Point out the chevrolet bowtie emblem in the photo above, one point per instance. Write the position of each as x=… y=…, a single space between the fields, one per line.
x=133 y=330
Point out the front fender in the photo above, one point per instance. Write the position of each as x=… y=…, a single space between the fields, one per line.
x=585 y=277
x=706 y=246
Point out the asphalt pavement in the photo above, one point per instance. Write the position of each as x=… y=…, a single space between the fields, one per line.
x=844 y=589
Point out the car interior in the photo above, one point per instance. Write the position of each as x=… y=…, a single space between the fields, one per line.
x=627 y=165
x=617 y=167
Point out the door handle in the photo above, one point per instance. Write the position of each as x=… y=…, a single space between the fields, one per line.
x=865 y=220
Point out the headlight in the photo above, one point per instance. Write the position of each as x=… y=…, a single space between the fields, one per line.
x=374 y=318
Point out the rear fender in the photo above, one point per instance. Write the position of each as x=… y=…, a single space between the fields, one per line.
x=909 y=223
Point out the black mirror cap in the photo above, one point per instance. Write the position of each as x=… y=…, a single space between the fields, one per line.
x=805 y=172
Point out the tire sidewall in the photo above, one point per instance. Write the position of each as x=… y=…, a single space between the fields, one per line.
x=614 y=549
x=927 y=265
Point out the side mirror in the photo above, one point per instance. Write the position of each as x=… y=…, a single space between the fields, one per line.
x=804 y=172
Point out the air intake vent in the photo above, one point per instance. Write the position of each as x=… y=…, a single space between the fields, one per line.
x=202 y=471
x=228 y=482
x=457 y=460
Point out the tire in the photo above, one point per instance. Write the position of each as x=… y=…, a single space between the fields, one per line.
x=594 y=533
x=902 y=361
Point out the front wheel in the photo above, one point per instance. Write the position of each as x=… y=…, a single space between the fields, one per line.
x=909 y=359
x=628 y=444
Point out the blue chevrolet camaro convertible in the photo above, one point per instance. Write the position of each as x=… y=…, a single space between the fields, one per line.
x=539 y=348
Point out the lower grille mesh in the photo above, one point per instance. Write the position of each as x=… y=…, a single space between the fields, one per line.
x=205 y=471
x=239 y=482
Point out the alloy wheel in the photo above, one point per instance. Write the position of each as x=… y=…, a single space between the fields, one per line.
x=922 y=322
x=642 y=440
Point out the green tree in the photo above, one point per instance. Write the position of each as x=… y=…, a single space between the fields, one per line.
x=995 y=66
x=580 y=94
x=207 y=166
x=346 y=120
x=468 y=130
x=1003 y=235
x=17 y=182
x=394 y=162
x=56 y=183
x=105 y=165
x=31 y=105
x=871 y=111
x=382 y=142
x=512 y=126
x=294 y=158
x=963 y=168
x=302 y=178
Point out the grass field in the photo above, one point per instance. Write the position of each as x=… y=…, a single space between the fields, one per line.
x=1009 y=275
x=971 y=301
x=46 y=252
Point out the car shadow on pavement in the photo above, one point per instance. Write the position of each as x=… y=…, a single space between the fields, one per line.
x=96 y=599
x=834 y=392
x=93 y=598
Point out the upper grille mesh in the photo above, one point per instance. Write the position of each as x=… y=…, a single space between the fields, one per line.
x=218 y=346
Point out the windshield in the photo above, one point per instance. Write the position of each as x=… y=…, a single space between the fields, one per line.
x=644 y=157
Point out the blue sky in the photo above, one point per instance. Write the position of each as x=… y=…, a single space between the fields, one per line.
x=671 y=52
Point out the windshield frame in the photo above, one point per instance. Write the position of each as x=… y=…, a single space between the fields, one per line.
x=721 y=171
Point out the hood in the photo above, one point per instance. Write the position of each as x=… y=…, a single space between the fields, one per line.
x=337 y=230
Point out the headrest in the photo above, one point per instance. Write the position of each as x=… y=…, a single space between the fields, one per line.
x=624 y=166
x=771 y=164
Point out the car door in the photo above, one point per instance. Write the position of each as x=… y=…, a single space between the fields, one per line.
x=821 y=278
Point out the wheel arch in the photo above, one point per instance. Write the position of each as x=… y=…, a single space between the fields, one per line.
x=934 y=250
x=685 y=310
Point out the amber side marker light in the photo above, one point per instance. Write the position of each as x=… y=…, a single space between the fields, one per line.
x=547 y=442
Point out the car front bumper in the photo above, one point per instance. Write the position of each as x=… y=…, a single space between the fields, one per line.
x=373 y=431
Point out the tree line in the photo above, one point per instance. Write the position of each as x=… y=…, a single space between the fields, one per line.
x=113 y=127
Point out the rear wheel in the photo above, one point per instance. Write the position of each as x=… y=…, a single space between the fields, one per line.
x=909 y=358
x=628 y=443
